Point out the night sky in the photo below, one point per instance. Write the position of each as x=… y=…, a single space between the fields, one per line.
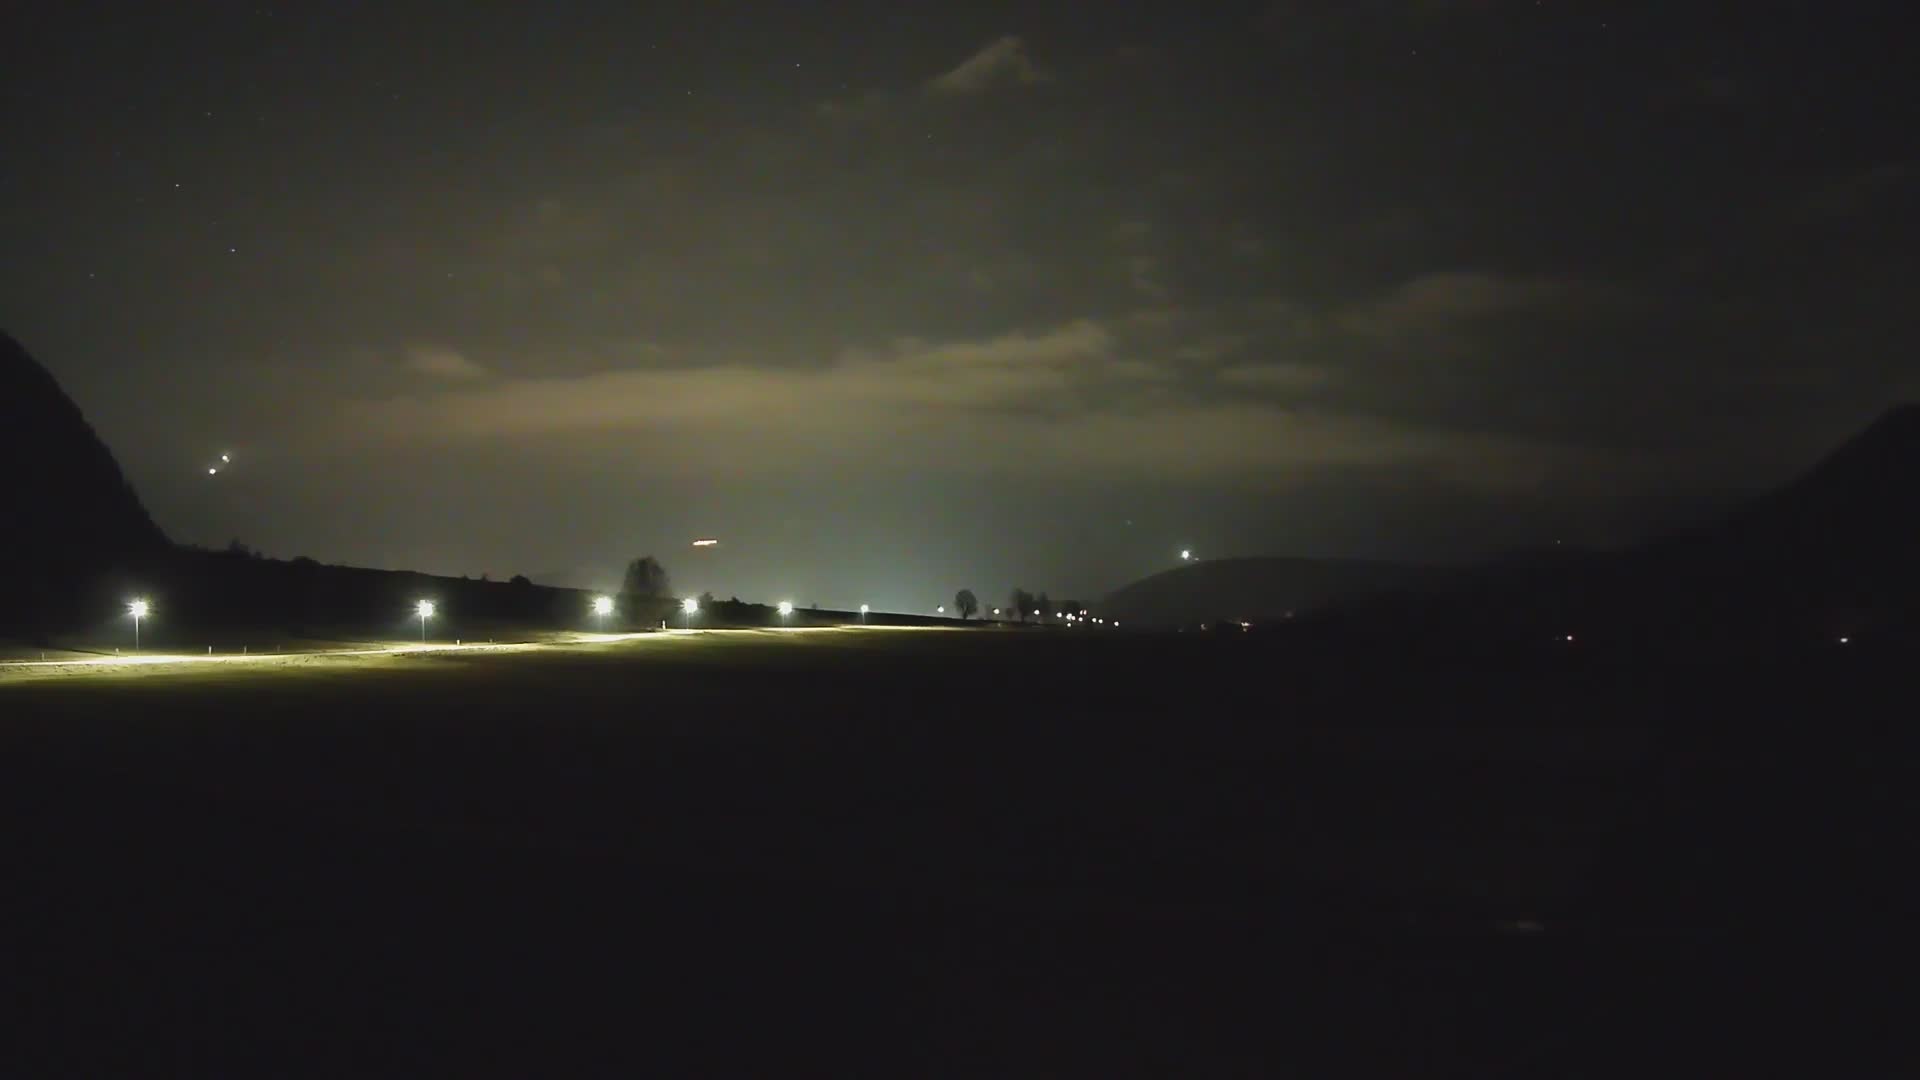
x=895 y=300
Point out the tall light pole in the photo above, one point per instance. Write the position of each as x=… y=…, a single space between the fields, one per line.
x=424 y=609
x=602 y=607
x=137 y=609
x=690 y=607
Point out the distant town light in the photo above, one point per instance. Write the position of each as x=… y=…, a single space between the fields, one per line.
x=1185 y=555
x=211 y=472
x=224 y=458
x=1844 y=640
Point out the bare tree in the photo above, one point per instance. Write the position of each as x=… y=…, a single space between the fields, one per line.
x=966 y=603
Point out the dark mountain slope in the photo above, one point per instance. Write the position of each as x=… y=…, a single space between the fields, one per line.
x=71 y=517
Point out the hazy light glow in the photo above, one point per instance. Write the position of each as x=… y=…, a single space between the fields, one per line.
x=424 y=609
x=690 y=606
x=786 y=607
x=864 y=609
x=137 y=609
x=941 y=610
x=705 y=541
x=225 y=458
x=603 y=605
x=1185 y=554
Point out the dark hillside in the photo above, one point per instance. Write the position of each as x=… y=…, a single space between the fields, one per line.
x=72 y=521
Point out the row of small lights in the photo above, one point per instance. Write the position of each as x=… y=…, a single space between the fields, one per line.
x=603 y=606
x=425 y=609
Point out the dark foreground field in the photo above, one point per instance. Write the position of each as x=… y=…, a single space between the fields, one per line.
x=953 y=853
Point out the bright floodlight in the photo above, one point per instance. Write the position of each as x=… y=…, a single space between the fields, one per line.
x=786 y=607
x=224 y=457
x=690 y=606
x=424 y=609
x=941 y=610
x=864 y=609
x=1185 y=554
x=603 y=605
x=137 y=609
x=210 y=472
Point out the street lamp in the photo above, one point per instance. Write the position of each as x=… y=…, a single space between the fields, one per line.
x=602 y=607
x=786 y=609
x=690 y=607
x=424 y=609
x=941 y=610
x=137 y=609
x=863 y=614
x=1185 y=555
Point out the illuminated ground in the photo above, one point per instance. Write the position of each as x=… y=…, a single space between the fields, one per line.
x=374 y=655
x=1089 y=854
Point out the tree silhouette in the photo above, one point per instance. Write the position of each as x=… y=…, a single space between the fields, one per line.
x=966 y=603
x=646 y=579
x=1045 y=607
x=1022 y=604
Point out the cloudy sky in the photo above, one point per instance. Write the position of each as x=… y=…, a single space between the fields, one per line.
x=899 y=298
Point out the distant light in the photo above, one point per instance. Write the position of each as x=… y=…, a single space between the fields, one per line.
x=941 y=610
x=1844 y=640
x=1185 y=554
x=996 y=611
x=424 y=609
x=1116 y=624
x=705 y=541
x=690 y=606
x=137 y=609
x=210 y=472
x=603 y=605
x=225 y=458
x=786 y=607
x=1569 y=637
x=864 y=609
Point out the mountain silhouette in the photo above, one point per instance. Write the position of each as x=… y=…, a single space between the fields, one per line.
x=72 y=517
x=1833 y=553
x=1837 y=548
x=1254 y=589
